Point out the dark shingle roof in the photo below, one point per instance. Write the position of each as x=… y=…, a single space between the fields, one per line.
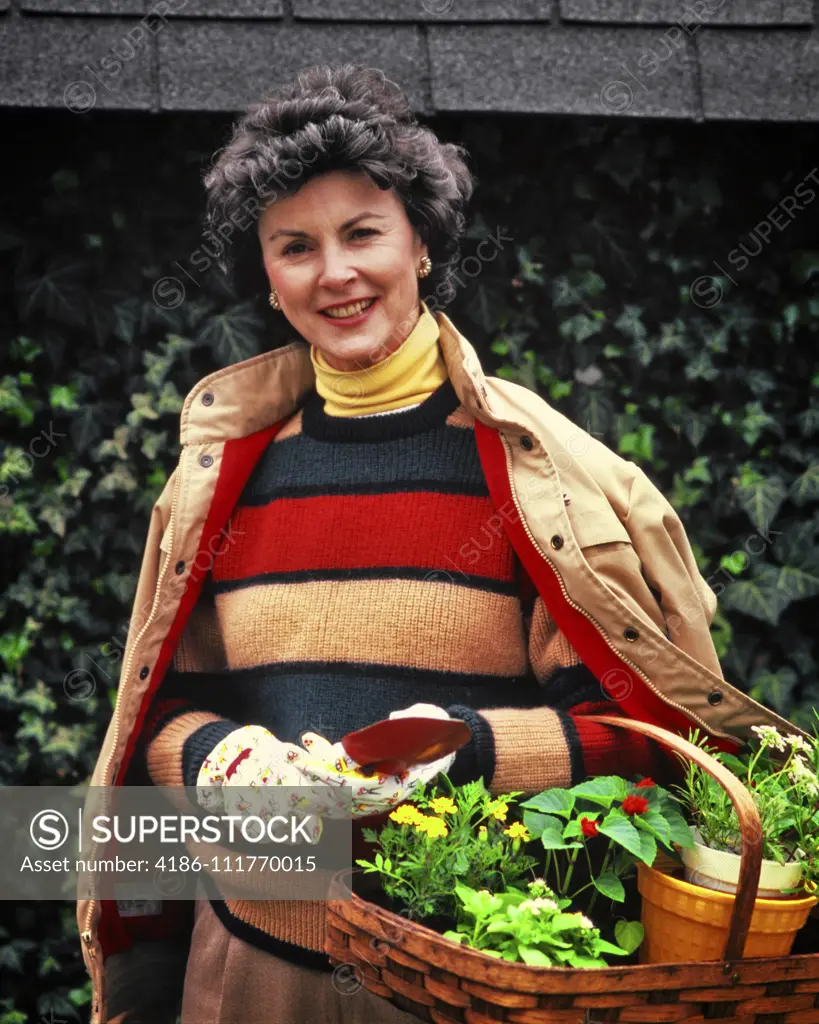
x=695 y=59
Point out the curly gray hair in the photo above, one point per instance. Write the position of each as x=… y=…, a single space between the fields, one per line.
x=347 y=117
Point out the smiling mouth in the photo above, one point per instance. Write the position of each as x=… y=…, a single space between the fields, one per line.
x=351 y=309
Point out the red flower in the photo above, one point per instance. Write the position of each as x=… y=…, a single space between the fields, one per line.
x=644 y=783
x=588 y=827
x=635 y=805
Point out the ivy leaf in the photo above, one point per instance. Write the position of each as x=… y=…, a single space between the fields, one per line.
x=232 y=335
x=775 y=687
x=797 y=582
x=759 y=597
x=63 y=396
x=797 y=544
x=806 y=486
x=761 y=498
x=58 y=294
x=579 y=327
x=695 y=426
x=808 y=420
x=631 y=325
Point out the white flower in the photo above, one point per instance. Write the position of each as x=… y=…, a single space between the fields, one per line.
x=584 y=921
x=541 y=903
x=768 y=736
x=800 y=743
x=800 y=773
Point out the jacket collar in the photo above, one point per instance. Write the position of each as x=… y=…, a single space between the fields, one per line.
x=249 y=396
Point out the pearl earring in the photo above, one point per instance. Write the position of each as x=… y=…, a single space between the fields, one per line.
x=274 y=299
x=425 y=268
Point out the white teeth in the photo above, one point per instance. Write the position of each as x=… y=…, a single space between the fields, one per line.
x=352 y=310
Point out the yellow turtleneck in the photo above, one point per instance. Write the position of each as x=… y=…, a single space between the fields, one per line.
x=407 y=376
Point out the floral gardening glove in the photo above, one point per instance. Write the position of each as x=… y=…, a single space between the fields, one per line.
x=245 y=770
x=252 y=773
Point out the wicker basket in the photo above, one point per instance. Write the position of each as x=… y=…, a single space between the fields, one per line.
x=425 y=974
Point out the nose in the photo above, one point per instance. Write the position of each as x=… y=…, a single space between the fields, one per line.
x=336 y=270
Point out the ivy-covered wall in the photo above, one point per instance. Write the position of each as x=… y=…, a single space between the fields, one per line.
x=654 y=281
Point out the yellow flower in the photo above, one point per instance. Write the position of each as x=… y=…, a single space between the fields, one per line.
x=517 y=831
x=499 y=811
x=433 y=827
x=406 y=814
x=482 y=833
x=443 y=805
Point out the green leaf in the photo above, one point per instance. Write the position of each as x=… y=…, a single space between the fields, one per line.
x=617 y=826
x=530 y=955
x=629 y=935
x=805 y=487
x=552 y=801
x=648 y=844
x=607 y=947
x=610 y=885
x=775 y=687
x=603 y=790
x=552 y=835
x=232 y=335
x=63 y=396
x=760 y=597
x=761 y=499
x=654 y=823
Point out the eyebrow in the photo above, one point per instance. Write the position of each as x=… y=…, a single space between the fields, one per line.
x=347 y=224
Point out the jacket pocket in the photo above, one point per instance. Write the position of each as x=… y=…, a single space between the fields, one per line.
x=597 y=525
x=607 y=549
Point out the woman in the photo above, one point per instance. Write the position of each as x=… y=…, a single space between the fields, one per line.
x=362 y=522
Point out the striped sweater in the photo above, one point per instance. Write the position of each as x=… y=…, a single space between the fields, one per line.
x=364 y=573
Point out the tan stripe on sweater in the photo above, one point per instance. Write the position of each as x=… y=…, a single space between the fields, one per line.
x=549 y=650
x=442 y=626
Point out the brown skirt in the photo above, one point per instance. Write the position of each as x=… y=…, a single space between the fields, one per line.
x=228 y=981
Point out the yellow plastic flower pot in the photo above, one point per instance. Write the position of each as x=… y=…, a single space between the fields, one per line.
x=685 y=922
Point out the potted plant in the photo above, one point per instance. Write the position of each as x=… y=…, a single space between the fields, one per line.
x=690 y=917
x=785 y=790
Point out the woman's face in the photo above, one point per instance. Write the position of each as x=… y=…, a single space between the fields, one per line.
x=337 y=240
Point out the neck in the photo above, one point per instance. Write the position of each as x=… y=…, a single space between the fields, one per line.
x=407 y=376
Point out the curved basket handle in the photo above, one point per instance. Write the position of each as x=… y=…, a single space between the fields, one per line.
x=750 y=824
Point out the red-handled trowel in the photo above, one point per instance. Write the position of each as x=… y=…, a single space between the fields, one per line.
x=395 y=744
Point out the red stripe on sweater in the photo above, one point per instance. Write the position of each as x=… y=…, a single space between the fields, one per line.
x=454 y=532
x=611 y=751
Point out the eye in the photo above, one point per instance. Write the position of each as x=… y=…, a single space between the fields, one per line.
x=288 y=249
x=367 y=231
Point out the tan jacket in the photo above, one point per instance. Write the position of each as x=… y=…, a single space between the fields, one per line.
x=591 y=529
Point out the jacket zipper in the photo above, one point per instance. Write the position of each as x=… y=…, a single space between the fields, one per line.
x=686 y=712
x=86 y=933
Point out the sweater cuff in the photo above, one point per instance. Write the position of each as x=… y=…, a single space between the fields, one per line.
x=165 y=751
x=475 y=759
x=200 y=743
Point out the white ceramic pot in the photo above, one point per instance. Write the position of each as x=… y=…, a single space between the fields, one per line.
x=719 y=870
